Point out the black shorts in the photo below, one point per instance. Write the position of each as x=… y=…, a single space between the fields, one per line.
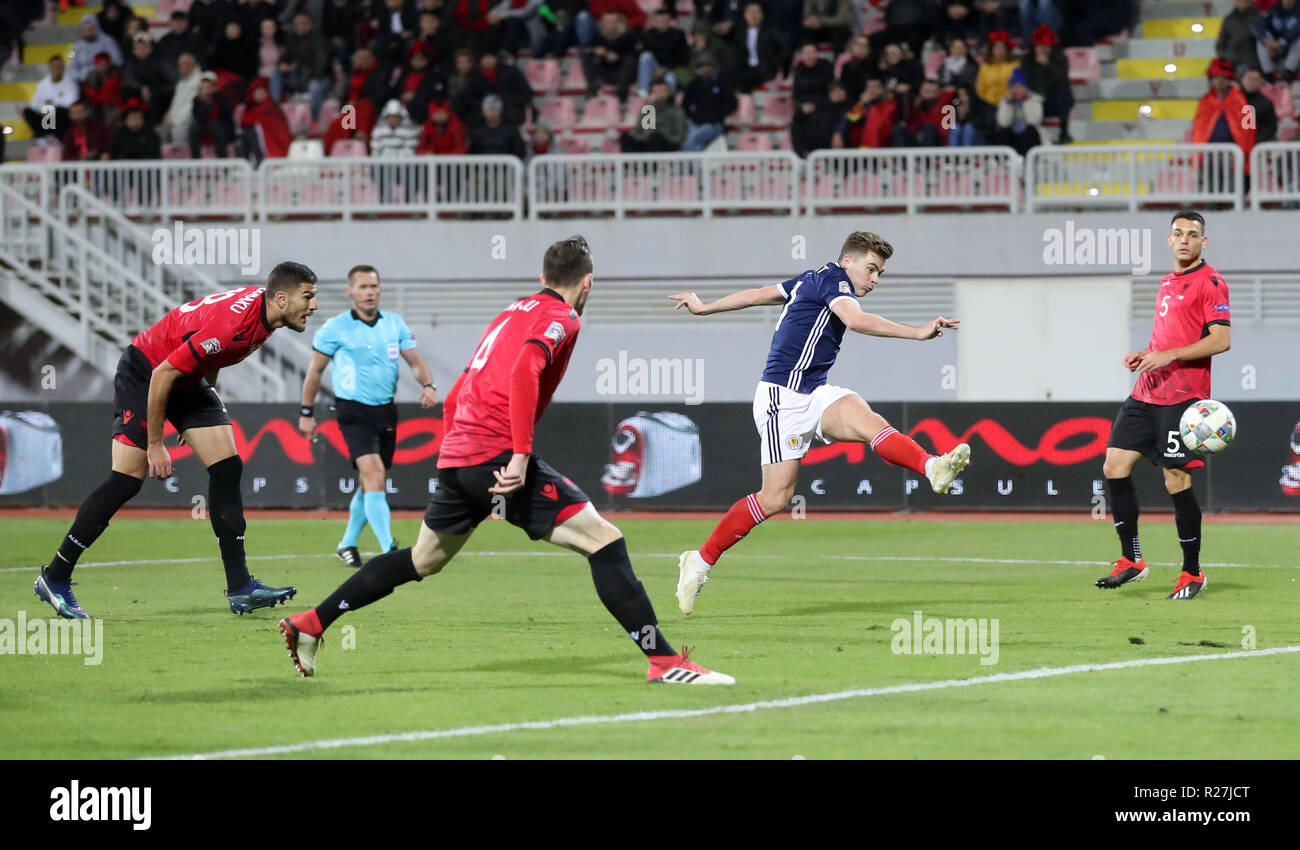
x=194 y=406
x=368 y=429
x=1152 y=430
x=461 y=500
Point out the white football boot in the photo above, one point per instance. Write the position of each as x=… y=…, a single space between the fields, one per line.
x=947 y=467
x=693 y=574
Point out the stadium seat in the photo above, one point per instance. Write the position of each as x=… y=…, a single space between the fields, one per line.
x=786 y=143
x=1288 y=134
x=1085 y=65
x=306 y=149
x=559 y=112
x=175 y=150
x=778 y=109
x=575 y=81
x=543 y=75
x=633 y=116
x=574 y=145
x=346 y=147
x=163 y=11
x=44 y=153
x=328 y=112
x=1283 y=102
x=610 y=144
x=753 y=142
x=299 y=117
x=602 y=113
x=745 y=114
x=933 y=62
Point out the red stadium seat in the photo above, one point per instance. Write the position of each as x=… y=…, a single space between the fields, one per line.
x=778 y=109
x=786 y=143
x=575 y=81
x=559 y=113
x=1283 y=102
x=753 y=142
x=164 y=9
x=574 y=145
x=328 y=112
x=610 y=144
x=348 y=147
x=933 y=62
x=299 y=117
x=543 y=75
x=44 y=153
x=1085 y=65
x=602 y=113
x=175 y=150
x=745 y=114
x=633 y=116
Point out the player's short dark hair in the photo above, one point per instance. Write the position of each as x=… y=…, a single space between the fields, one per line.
x=860 y=242
x=1189 y=215
x=287 y=277
x=566 y=262
x=362 y=268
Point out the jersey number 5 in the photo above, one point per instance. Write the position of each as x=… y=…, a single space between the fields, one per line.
x=485 y=347
x=1164 y=304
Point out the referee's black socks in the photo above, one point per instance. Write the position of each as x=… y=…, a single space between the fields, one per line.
x=1187 y=517
x=375 y=580
x=92 y=519
x=1124 y=510
x=625 y=597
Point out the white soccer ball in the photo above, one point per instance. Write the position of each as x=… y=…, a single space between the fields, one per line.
x=1207 y=427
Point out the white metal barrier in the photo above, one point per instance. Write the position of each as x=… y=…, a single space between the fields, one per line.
x=642 y=183
x=1133 y=176
x=1274 y=174
x=914 y=178
x=427 y=185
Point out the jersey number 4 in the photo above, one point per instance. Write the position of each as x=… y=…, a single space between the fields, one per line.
x=485 y=347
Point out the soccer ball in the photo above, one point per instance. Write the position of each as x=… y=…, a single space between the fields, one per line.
x=1207 y=427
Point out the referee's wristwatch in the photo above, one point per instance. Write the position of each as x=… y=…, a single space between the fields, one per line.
x=433 y=387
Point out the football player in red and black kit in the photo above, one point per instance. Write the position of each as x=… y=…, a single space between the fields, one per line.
x=486 y=462
x=1192 y=320
x=166 y=375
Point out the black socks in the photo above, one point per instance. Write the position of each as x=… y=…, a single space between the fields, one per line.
x=1124 y=510
x=1187 y=516
x=226 y=513
x=626 y=599
x=92 y=519
x=369 y=584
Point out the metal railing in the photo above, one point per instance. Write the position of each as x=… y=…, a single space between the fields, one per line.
x=1274 y=174
x=1133 y=176
x=647 y=183
x=426 y=185
x=914 y=178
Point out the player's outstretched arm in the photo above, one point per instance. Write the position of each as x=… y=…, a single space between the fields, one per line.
x=860 y=321
x=160 y=389
x=1218 y=341
x=735 y=301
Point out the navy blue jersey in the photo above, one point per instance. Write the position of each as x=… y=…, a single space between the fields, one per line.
x=808 y=335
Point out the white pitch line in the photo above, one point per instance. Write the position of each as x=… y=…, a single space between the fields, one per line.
x=741 y=708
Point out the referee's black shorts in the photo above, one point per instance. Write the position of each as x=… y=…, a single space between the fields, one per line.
x=368 y=429
x=1152 y=430
x=190 y=405
x=461 y=500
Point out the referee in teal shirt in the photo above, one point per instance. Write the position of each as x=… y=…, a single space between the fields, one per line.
x=365 y=345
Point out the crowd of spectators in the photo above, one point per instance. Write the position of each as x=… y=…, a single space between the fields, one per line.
x=440 y=76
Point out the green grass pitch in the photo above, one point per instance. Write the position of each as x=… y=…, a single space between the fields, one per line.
x=512 y=632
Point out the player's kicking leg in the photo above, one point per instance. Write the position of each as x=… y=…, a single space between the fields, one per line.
x=54 y=584
x=1187 y=518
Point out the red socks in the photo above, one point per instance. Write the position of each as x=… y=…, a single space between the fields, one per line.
x=900 y=450
x=742 y=517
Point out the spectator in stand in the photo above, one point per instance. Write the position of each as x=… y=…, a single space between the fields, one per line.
x=596 y=9
x=1265 y=112
x=473 y=27
x=725 y=17
x=11 y=36
x=908 y=22
x=458 y=84
x=145 y=78
x=705 y=40
x=993 y=16
x=208 y=17
x=112 y=20
x=264 y=131
x=395 y=134
x=900 y=71
x=1087 y=21
x=707 y=101
x=47 y=114
x=1236 y=42
x=815 y=119
x=1020 y=116
x=958 y=21
x=959 y=67
x=181 y=112
x=658 y=131
x=251 y=13
x=135 y=139
x=1048 y=76
x=870 y=123
x=827 y=20
x=234 y=52
x=504 y=81
x=558 y=20
x=86 y=137
x=611 y=58
x=444 y=133
x=1279 y=42
x=861 y=64
x=393 y=24
x=974 y=120
x=211 y=118
x=496 y=136
x=540 y=141
x=419 y=85
x=664 y=46
x=135 y=25
x=1035 y=14
x=762 y=51
x=812 y=74
x=103 y=90
x=92 y=43
x=518 y=23
x=920 y=121
x=304 y=65
x=441 y=46
x=339 y=27
x=995 y=74
x=270 y=47
x=785 y=17
x=1219 y=113
x=180 y=38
